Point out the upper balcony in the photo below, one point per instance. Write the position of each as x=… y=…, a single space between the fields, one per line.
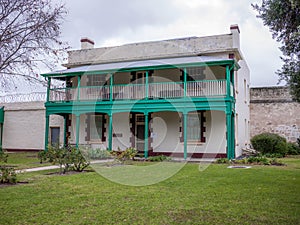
x=188 y=77
x=164 y=90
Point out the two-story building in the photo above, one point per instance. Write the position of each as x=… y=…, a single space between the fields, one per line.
x=184 y=97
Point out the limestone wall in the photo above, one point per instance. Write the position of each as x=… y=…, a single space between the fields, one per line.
x=24 y=126
x=273 y=110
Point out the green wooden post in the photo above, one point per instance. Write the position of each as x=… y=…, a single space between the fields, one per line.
x=147 y=86
x=77 y=130
x=48 y=89
x=229 y=135
x=227 y=81
x=65 y=129
x=146 y=135
x=111 y=87
x=185 y=115
x=232 y=136
x=46 y=132
x=110 y=129
x=1 y=135
x=184 y=81
x=78 y=88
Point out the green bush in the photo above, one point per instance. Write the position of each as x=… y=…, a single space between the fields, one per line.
x=96 y=153
x=269 y=143
x=68 y=158
x=8 y=175
x=293 y=149
x=222 y=160
x=127 y=154
x=158 y=158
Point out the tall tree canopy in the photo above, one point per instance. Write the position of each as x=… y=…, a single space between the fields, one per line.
x=283 y=19
x=29 y=37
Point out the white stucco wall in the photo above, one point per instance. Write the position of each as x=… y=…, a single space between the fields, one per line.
x=24 y=126
x=242 y=117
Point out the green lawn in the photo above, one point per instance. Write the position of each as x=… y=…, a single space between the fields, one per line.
x=24 y=160
x=217 y=195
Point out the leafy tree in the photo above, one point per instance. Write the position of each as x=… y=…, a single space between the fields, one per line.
x=29 y=38
x=283 y=19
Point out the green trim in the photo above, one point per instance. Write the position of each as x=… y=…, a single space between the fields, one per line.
x=48 y=89
x=147 y=68
x=65 y=129
x=78 y=88
x=184 y=81
x=110 y=130
x=77 y=130
x=111 y=83
x=46 y=132
x=147 y=85
x=185 y=115
x=2 y=114
x=1 y=136
x=146 y=135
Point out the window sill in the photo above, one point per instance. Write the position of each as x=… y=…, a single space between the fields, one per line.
x=96 y=142
x=194 y=143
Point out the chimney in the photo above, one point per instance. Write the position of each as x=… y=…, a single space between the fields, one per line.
x=86 y=43
x=235 y=31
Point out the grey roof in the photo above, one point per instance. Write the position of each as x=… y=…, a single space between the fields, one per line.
x=138 y=64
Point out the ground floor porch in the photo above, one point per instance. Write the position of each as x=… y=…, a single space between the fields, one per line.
x=187 y=134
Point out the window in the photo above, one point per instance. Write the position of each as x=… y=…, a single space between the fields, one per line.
x=195 y=73
x=96 y=127
x=195 y=127
x=97 y=80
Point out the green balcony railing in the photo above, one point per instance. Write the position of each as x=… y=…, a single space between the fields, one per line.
x=166 y=90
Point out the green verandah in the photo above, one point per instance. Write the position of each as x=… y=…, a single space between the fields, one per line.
x=220 y=97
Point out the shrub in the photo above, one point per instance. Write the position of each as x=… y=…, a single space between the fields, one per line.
x=293 y=149
x=127 y=154
x=67 y=158
x=158 y=158
x=8 y=175
x=269 y=143
x=96 y=153
x=222 y=160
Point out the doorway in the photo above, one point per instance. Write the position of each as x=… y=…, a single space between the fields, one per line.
x=55 y=131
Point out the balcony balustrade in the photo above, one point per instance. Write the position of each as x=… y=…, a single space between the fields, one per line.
x=166 y=90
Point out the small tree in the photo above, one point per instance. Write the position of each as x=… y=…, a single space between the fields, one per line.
x=283 y=19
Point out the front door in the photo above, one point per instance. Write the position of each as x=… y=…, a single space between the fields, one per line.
x=55 y=131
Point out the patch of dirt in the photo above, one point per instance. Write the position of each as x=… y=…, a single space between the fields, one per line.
x=2 y=185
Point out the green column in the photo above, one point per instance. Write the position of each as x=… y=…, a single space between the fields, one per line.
x=227 y=81
x=185 y=115
x=232 y=136
x=46 y=132
x=48 y=89
x=78 y=88
x=146 y=135
x=184 y=81
x=147 y=85
x=1 y=135
x=111 y=87
x=65 y=129
x=229 y=135
x=110 y=129
x=77 y=130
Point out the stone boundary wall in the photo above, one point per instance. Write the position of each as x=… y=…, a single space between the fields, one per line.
x=273 y=110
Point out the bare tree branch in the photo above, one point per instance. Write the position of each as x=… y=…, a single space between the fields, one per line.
x=30 y=37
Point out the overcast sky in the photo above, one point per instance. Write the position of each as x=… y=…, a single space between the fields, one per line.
x=116 y=22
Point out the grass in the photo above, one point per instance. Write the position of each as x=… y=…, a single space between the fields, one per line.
x=217 y=195
x=24 y=160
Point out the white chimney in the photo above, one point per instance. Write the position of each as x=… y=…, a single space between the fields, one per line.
x=86 y=43
x=235 y=31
